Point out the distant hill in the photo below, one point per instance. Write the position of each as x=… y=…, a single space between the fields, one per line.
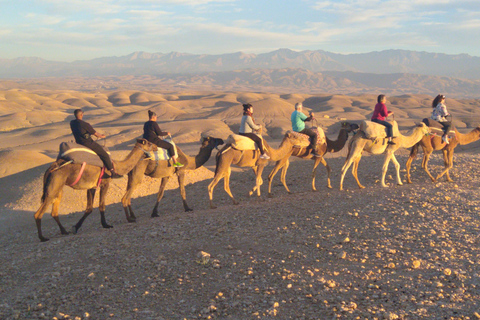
x=143 y=63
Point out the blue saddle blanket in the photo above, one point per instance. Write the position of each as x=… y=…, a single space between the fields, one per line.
x=71 y=151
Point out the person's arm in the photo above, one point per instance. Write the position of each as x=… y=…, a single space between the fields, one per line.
x=309 y=118
x=443 y=110
x=159 y=132
x=384 y=112
x=252 y=125
x=92 y=131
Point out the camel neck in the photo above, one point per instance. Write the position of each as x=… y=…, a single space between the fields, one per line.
x=126 y=165
x=470 y=137
x=411 y=140
x=337 y=145
x=277 y=154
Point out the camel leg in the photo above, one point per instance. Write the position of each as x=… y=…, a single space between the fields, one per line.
x=283 y=175
x=135 y=177
x=278 y=165
x=101 y=205
x=413 y=155
x=255 y=186
x=226 y=185
x=161 y=191
x=345 y=168
x=426 y=157
x=355 y=171
x=211 y=186
x=397 y=168
x=448 y=164
x=38 y=217
x=388 y=157
x=325 y=164
x=183 y=193
x=55 y=207
x=88 y=210
x=259 y=180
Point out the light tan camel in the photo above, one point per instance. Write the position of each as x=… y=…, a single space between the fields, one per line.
x=58 y=176
x=432 y=143
x=164 y=169
x=330 y=146
x=248 y=158
x=360 y=143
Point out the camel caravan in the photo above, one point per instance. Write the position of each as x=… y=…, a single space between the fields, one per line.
x=84 y=165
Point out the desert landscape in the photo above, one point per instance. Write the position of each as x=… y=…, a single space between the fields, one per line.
x=402 y=252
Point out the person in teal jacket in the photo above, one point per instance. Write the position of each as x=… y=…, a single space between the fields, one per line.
x=298 y=125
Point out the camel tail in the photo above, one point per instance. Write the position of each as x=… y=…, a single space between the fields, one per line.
x=47 y=177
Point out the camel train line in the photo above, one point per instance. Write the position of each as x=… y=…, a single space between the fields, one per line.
x=139 y=162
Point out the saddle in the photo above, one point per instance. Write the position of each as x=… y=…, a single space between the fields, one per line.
x=77 y=153
x=160 y=153
x=241 y=142
x=305 y=139
x=436 y=128
x=375 y=130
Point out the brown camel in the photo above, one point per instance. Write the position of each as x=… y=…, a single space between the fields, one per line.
x=330 y=146
x=360 y=143
x=59 y=175
x=432 y=143
x=164 y=169
x=248 y=158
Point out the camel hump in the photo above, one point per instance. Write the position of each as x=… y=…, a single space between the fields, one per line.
x=305 y=140
x=374 y=130
x=241 y=142
x=71 y=151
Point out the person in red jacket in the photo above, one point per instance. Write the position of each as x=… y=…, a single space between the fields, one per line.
x=379 y=115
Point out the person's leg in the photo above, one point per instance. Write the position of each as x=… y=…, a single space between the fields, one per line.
x=257 y=140
x=101 y=153
x=388 y=127
x=447 y=125
x=313 y=139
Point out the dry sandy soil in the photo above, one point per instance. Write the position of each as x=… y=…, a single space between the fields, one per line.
x=402 y=252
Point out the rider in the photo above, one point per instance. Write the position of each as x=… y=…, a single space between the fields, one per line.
x=439 y=113
x=248 y=125
x=151 y=132
x=83 y=131
x=298 y=125
x=379 y=115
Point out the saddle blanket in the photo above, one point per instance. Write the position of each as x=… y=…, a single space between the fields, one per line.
x=241 y=142
x=437 y=128
x=306 y=139
x=375 y=130
x=71 y=151
x=162 y=154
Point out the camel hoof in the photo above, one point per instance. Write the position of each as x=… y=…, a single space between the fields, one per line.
x=107 y=226
x=213 y=207
x=270 y=195
x=131 y=220
x=329 y=187
x=154 y=215
x=236 y=202
x=43 y=239
x=250 y=193
x=74 y=230
x=188 y=210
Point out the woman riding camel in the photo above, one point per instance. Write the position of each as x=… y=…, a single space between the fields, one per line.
x=248 y=125
x=379 y=115
x=439 y=113
x=151 y=132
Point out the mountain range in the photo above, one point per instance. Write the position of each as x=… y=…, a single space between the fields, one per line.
x=389 y=71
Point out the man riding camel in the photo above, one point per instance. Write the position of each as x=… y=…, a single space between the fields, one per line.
x=83 y=131
x=298 y=125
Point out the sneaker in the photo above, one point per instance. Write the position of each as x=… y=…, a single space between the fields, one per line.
x=264 y=156
x=390 y=142
x=177 y=165
x=445 y=139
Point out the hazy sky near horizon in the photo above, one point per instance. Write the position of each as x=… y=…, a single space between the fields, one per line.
x=68 y=30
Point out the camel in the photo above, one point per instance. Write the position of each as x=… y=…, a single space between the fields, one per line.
x=164 y=169
x=60 y=174
x=330 y=146
x=360 y=143
x=248 y=158
x=432 y=143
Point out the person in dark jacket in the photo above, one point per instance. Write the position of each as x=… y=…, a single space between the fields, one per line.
x=152 y=132
x=83 y=131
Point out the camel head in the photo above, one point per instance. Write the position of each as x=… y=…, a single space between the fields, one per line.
x=425 y=129
x=211 y=142
x=145 y=145
x=350 y=127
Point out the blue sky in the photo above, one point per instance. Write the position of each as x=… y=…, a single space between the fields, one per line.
x=68 y=30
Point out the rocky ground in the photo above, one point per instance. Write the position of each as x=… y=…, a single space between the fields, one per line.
x=403 y=252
